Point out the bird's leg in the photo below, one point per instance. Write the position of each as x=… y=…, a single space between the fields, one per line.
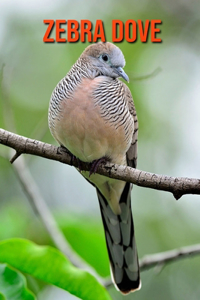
x=73 y=157
x=95 y=164
x=76 y=159
x=64 y=149
x=79 y=163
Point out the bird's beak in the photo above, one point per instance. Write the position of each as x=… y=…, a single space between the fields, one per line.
x=121 y=73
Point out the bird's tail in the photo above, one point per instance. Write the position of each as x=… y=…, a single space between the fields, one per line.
x=120 y=240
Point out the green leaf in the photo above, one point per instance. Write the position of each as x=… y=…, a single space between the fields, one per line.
x=50 y=265
x=2 y=297
x=13 y=285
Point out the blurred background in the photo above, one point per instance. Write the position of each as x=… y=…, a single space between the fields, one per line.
x=168 y=108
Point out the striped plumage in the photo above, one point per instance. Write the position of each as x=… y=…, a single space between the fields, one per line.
x=92 y=114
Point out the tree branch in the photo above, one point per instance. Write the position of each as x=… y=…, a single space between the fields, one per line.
x=178 y=186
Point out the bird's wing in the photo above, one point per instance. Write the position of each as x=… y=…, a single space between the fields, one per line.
x=132 y=151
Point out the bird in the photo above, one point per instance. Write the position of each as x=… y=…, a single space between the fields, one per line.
x=92 y=115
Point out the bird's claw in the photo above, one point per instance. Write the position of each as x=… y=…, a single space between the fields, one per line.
x=95 y=164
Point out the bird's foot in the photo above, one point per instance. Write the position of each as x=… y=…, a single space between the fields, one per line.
x=79 y=162
x=95 y=164
x=73 y=157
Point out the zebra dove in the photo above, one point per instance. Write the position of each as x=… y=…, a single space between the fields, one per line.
x=92 y=114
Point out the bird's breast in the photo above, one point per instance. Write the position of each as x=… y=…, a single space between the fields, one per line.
x=82 y=128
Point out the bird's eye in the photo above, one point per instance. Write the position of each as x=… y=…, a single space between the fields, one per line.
x=105 y=57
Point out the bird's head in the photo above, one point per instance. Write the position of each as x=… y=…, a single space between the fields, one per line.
x=107 y=58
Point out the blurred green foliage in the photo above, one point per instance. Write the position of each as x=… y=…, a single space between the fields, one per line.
x=168 y=111
x=13 y=285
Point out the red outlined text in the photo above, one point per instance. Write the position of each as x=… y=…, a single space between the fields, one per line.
x=72 y=31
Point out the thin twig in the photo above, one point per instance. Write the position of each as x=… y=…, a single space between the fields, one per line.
x=152 y=260
x=178 y=186
x=147 y=76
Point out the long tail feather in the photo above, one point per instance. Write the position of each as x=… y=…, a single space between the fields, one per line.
x=120 y=240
